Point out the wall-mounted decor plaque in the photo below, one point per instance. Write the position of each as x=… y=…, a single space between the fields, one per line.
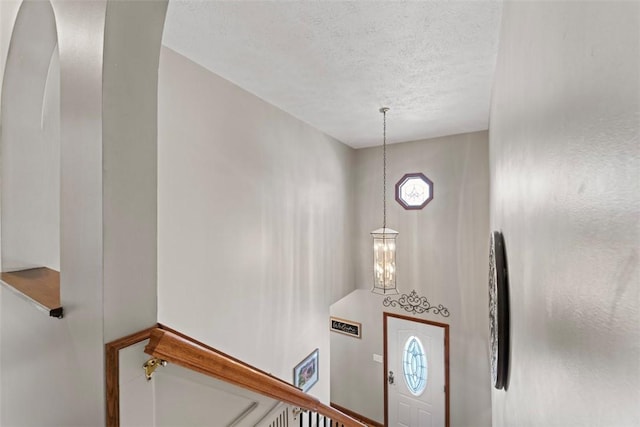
x=347 y=327
x=306 y=374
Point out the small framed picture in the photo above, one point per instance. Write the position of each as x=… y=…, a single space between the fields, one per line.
x=347 y=327
x=305 y=374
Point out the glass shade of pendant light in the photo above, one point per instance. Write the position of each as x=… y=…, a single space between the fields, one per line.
x=384 y=239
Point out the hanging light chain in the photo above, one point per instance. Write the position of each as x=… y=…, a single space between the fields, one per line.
x=384 y=246
x=384 y=110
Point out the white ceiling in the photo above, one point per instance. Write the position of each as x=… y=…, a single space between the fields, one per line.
x=333 y=64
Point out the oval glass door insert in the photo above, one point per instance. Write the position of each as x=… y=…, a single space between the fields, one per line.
x=414 y=366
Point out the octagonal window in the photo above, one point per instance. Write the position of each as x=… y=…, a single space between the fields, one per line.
x=414 y=191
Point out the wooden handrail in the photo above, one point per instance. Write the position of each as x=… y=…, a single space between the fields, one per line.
x=180 y=350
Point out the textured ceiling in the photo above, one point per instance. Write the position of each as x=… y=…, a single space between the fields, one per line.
x=333 y=64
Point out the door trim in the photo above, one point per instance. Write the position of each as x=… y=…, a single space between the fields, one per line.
x=386 y=315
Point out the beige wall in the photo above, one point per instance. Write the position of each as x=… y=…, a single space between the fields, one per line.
x=254 y=211
x=442 y=253
x=565 y=186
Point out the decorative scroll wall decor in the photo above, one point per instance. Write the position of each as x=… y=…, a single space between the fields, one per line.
x=416 y=304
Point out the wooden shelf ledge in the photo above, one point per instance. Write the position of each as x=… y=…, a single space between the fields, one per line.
x=40 y=286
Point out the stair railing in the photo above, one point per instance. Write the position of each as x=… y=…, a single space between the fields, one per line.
x=175 y=348
x=167 y=345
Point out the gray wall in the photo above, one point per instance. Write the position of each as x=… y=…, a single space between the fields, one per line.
x=442 y=253
x=565 y=175
x=254 y=211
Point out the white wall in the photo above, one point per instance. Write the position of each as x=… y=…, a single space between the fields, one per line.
x=59 y=363
x=49 y=361
x=188 y=399
x=254 y=211
x=442 y=253
x=177 y=396
x=565 y=181
x=137 y=394
x=30 y=172
x=8 y=11
x=130 y=90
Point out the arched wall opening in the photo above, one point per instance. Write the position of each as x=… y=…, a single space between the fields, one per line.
x=102 y=99
x=30 y=142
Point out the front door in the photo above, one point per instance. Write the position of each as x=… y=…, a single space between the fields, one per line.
x=416 y=367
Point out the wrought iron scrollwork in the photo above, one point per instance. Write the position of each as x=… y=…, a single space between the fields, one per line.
x=416 y=304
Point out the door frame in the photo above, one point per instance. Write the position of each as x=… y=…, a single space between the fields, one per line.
x=386 y=315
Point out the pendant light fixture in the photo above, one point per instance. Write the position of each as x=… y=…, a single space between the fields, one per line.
x=384 y=239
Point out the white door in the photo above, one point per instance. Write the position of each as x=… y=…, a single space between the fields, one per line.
x=415 y=354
